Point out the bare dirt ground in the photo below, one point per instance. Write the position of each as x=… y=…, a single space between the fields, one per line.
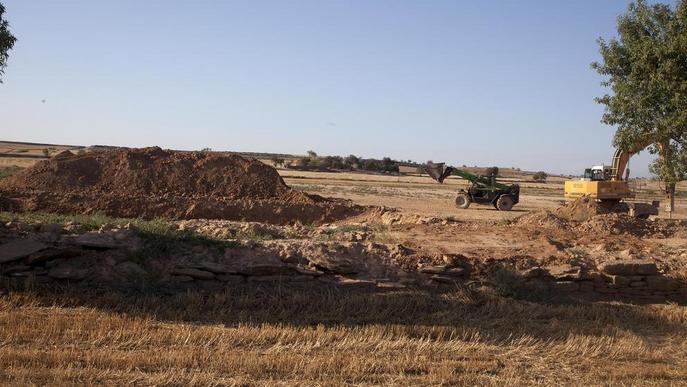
x=411 y=291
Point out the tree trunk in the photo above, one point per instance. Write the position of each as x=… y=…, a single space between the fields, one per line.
x=670 y=193
x=664 y=152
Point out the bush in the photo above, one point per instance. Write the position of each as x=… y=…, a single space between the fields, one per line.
x=540 y=176
x=304 y=162
x=333 y=162
x=371 y=165
x=352 y=161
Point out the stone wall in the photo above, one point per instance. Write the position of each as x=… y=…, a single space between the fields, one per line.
x=634 y=280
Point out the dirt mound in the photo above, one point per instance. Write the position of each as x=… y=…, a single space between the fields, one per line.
x=152 y=182
x=543 y=218
x=581 y=209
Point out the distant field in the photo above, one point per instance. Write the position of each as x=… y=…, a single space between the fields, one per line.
x=412 y=192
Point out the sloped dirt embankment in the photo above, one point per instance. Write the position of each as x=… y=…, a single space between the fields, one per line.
x=151 y=182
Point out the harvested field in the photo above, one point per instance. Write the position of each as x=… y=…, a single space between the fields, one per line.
x=421 y=293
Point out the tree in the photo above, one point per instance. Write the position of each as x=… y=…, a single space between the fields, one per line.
x=646 y=69
x=312 y=154
x=334 y=162
x=6 y=41
x=304 y=162
x=277 y=161
x=540 y=176
x=389 y=165
x=371 y=165
x=352 y=161
x=46 y=152
x=492 y=171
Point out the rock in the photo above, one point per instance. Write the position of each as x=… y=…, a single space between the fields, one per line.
x=181 y=278
x=334 y=263
x=565 y=272
x=455 y=271
x=535 y=272
x=638 y=284
x=230 y=278
x=50 y=254
x=40 y=272
x=246 y=263
x=130 y=269
x=586 y=286
x=217 y=268
x=51 y=228
x=391 y=285
x=617 y=280
x=106 y=240
x=662 y=283
x=69 y=273
x=308 y=271
x=567 y=286
x=443 y=279
x=16 y=269
x=348 y=282
x=194 y=273
x=20 y=248
x=270 y=278
x=265 y=269
x=437 y=269
x=629 y=267
x=96 y=240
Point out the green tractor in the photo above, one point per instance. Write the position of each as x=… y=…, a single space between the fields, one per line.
x=482 y=189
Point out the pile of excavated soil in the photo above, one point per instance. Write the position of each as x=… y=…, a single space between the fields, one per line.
x=152 y=182
x=581 y=209
x=576 y=211
x=589 y=219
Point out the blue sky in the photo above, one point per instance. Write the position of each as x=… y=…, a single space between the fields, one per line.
x=503 y=83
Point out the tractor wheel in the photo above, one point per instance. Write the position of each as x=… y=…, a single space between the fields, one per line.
x=505 y=203
x=463 y=200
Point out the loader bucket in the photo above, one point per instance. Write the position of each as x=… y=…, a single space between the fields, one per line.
x=437 y=171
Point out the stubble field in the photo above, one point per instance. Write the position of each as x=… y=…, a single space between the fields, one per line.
x=291 y=333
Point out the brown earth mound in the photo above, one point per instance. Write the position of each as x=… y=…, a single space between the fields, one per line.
x=152 y=182
x=591 y=220
x=581 y=209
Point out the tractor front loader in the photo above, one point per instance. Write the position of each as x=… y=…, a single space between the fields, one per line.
x=481 y=190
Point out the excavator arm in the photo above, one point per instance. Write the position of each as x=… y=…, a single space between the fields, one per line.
x=622 y=156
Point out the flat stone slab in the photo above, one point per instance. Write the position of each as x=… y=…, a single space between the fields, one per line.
x=130 y=269
x=629 y=267
x=438 y=269
x=53 y=253
x=68 y=273
x=193 y=273
x=20 y=248
x=214 y=267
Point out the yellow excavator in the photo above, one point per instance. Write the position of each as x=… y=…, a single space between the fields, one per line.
x=609 y=186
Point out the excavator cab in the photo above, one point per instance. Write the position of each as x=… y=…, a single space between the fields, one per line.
x=597 y=173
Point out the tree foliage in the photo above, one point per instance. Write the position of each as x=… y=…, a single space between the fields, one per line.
x=6 y=41
x=645 y=67
x=540 y=176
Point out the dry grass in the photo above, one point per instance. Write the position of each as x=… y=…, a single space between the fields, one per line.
x=282 y=335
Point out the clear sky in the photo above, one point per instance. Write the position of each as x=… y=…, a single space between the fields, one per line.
x=503 y=83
